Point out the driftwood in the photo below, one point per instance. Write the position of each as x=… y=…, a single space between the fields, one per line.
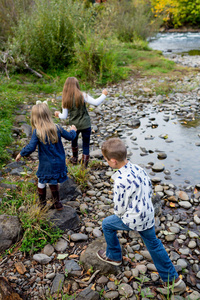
x=33 y=71
x=89 y=281
x=7 y=59
x=4 y=59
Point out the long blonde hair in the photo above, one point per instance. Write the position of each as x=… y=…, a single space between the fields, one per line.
x=72 y=92
x=41 y=120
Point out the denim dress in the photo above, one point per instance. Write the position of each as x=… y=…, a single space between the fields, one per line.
x=52 y=165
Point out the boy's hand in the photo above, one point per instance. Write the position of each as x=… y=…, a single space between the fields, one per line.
x=105 y=92
x=73 y=127
x=18 y=157
x=57 y=114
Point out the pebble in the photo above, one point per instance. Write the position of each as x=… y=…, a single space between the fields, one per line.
x=125 y=290
x=79 y=237
x=61 y=245
x=48 y=250
x=185 y=204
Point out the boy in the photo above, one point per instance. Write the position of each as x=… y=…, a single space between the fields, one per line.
x=134 y=211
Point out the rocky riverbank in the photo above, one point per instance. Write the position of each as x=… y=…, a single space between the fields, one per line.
x=71 y=264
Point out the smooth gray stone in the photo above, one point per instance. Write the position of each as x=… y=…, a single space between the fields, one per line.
x=88 y=294
x=41 y=258
x=57 y=283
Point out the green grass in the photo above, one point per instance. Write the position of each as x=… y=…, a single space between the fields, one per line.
x=37 y=231
x=144 y=60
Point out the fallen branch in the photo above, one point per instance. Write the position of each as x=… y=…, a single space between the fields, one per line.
x=33 y=71
x=90 y=280
x=3 y=261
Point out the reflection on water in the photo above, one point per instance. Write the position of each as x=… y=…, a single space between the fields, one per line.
x=192 y=123
x=194 y=52
x=182 y=154
x=176 y=42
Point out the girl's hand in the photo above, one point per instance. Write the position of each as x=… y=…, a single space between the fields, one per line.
x=57 y=114
x=73 y=127
x=18 y=157
x=105 y=92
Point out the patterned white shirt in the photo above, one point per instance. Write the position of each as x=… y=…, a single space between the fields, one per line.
x=132 y=197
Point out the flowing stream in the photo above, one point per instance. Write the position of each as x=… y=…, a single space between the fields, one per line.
x=182 y=163
x=176 y=42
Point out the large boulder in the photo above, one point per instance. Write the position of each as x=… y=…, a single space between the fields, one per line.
x=89 y=258
x=64 y=219
x=10 y=231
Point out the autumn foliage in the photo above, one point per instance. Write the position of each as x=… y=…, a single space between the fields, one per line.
x=177 y=13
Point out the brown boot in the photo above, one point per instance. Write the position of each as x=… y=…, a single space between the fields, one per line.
x=74 y=158
x=56 y=197
x=42 y=196
x=85 y=160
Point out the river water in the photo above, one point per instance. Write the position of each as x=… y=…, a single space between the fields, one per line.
x=183 y=154
x=176 y=42
x=182 y=162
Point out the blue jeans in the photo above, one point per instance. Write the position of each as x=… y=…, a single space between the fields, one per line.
x=155 y=247
x=86 y=140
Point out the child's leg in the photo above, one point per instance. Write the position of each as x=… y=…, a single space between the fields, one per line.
x=56 y=197
x=110 y=225
x=86 y=146
x=74 y=158
x=159 y=255
x=42 y=194
x=86 y=140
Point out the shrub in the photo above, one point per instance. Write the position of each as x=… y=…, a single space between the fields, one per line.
x=46 y=36
x=95 y=59
x=130 y=19
x=9 y=15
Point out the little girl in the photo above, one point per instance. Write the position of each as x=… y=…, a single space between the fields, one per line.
x=73 y=103
x=52 y=166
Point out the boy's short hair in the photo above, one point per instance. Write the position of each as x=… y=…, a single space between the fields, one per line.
x=114 y=148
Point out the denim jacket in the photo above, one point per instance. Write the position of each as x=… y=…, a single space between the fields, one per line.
x=51 y=156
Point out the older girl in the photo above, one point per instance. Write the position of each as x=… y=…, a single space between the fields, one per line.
x=74 y=104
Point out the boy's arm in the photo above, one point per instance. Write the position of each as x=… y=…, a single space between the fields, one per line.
x=27 y=150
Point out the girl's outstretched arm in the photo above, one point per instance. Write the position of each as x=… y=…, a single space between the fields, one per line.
x=63 y=115
x=96 y=101
x=68 y=135
x=18 y=157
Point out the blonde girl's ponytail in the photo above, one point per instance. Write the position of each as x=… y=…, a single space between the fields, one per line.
x=72 y=93
x=41 y=120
